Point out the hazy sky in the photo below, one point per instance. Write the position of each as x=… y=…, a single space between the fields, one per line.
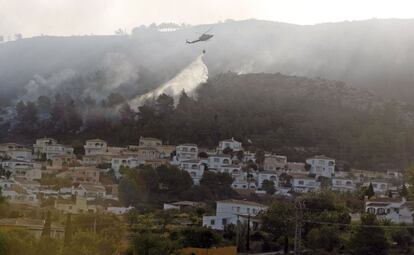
x=70 y=17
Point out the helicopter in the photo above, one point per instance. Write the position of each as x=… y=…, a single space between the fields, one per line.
x=204 y=37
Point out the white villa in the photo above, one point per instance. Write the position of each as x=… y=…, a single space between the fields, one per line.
x=216 y=161
x=95 y=147
x=231 y=144
x=187 y=152
x=234 y=212
x=19 y=168
x=195 y=168
x=395 y=210
x=49 y=148
x=343 y=184
x=267 y=175
x=303 y=183
x=322 y=166
x=274 y=162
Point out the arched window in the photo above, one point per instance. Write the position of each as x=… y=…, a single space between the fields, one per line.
x=380 y=211
x=371 y=210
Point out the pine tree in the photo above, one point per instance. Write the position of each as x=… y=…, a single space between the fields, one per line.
x=68 y=230
x=47 y=227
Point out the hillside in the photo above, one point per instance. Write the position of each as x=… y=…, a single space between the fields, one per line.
x=291 y=115
x=373 y=54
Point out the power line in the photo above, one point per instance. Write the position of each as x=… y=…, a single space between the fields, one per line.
x=360 y=225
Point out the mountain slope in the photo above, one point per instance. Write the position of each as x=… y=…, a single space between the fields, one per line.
x=373 y=54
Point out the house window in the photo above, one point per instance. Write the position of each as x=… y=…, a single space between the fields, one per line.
x=300 y=182
x=248 y=210
x=380 y=211
x=371 y=210
x=238 y=209
x=224 y=222
x=212 y=222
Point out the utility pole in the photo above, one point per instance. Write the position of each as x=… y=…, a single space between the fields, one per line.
x=237 y=233
x=298 y=226
x=248 y=234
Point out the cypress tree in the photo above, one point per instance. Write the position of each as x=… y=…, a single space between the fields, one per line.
x=370 y=191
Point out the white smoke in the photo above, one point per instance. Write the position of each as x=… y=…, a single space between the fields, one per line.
x=187 y=80
x=114 y=70
x=40 y=86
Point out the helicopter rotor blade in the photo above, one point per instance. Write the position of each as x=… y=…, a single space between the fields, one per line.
x=208 y=30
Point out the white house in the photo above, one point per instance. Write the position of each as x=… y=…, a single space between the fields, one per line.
x=267 y=175
x=19 y=195
x=89 y=191
x=396 y=210
x=242 y=183
x=322 y=166
x=234 y=212
x=131 y=162
x=16 y=151
x=195 y=168
x=48 y=148
x=303 y=184
x=233 y=170
x=216 y=161
x=19 y=168
x=95 y=147
x=231 y=144
x=187 y=152
x=274 y=162
x=343 y=184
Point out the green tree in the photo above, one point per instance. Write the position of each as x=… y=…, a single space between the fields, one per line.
x=269 y=187
x=19 y=242
x=47 y=246
x=278 y=220
x=147 y=243
x=326 y=237
x=219 y=184
x=369 y=238
x=199 y=237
